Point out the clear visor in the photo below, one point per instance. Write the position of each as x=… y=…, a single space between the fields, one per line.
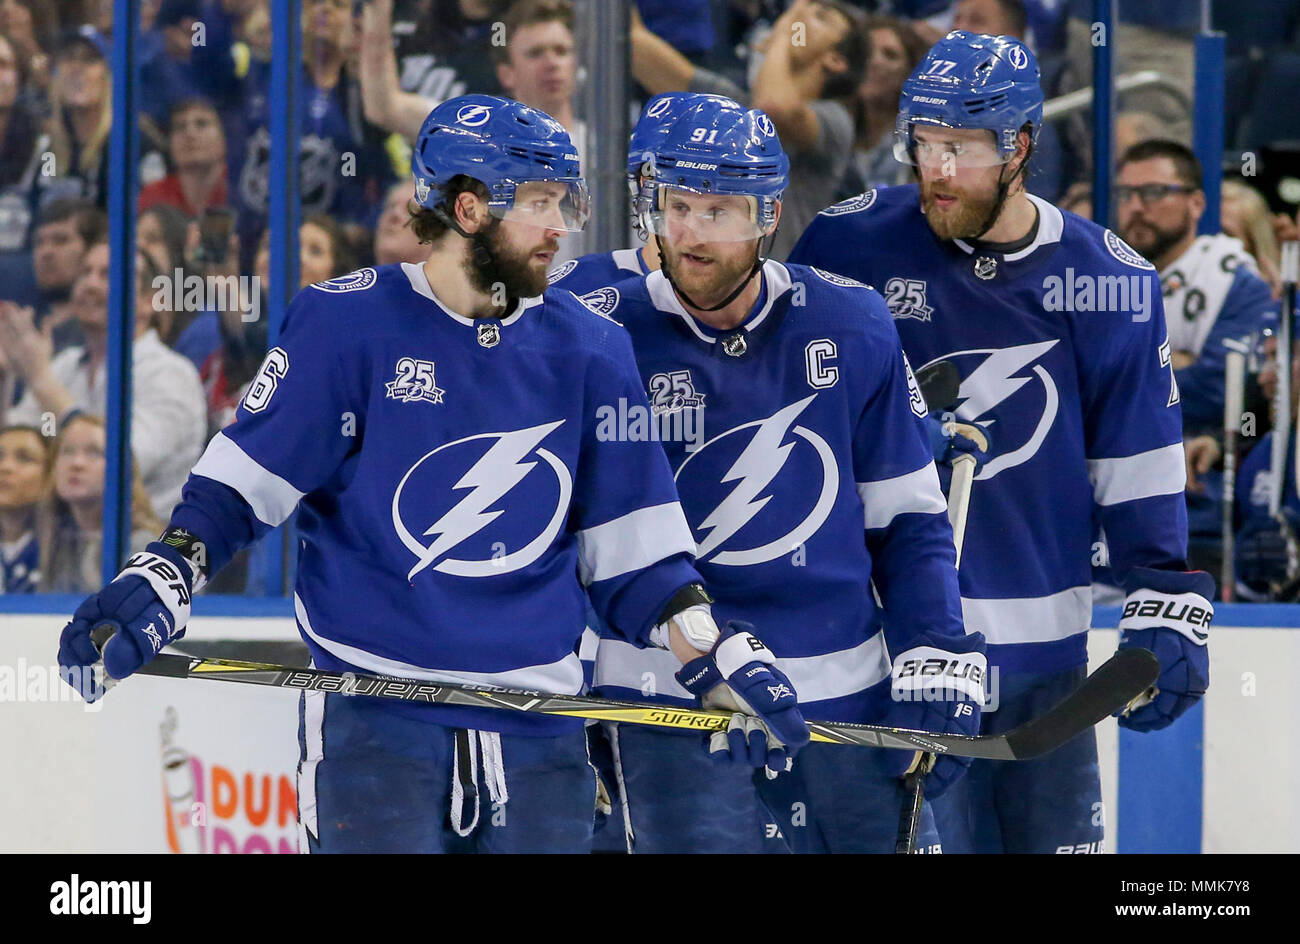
x=548 y=204
x=683 y=216
x=927 y=145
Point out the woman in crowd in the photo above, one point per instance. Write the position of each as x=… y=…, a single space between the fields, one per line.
x=1244 y=214
x=24 y=468
x=69 y=521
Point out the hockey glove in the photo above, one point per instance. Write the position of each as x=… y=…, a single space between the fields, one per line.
x=939 y=690
x=1266 y=553
x=1168 y=612
x=147 y=606
x=949 y=439
x=739 y=674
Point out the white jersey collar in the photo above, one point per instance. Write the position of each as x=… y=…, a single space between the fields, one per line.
x=775 y=276
x=628 y=260
x=420 y=283
x=1050 y=226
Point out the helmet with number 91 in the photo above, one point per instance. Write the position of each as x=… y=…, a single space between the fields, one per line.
x=523 y=157
x=717 y=148
x=971 y=80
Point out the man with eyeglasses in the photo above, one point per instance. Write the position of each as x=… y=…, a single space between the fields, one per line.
x=1213 y=294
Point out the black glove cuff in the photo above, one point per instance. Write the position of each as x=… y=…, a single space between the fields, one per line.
x=693 y=594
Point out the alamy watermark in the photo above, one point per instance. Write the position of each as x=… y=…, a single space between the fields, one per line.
x=638 y=422
x=1102 y=293
x=181 y=292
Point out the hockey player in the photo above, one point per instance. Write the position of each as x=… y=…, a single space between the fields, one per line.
x=784 y=403
x=597 y=269
x=436 y=426
x=1056 y=327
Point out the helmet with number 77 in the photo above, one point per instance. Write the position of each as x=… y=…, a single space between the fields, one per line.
x=972 y=80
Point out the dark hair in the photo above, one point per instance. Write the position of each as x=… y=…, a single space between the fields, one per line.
x=92 y=223
x=529 y=13
x=854 y=46
x=1014 y=10
x=914 y=47
x=21 y=60
x=1186 y=166
x=173 y=223
x=180 y=106
x=426 y=225
x=341 y=251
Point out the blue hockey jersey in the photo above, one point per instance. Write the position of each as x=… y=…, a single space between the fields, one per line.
x=1061 y=347
x=805 y=474
x=596 y=269
x=454 y=492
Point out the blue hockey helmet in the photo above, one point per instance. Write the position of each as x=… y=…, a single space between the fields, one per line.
x=716 y=146
x=507 y=146
x=972 y=80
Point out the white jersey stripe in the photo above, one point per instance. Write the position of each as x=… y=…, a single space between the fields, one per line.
x=914 y=493
x=632 y=542
x=1029 y=619
x=1160 y=471
x=815 y=678
x=272 y=498
x=563 y=677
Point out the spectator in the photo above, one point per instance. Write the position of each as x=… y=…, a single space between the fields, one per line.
x=1212 y=290
x=995 y=17
x=65 y=229
x=31 y=26
x=161 y=232
x=69 y=527
x=811 y=63
x=394 y=240
x=441 y=46
x=180 y=68
x=167 y=416
x=24 y=468
x=895 y=51
x=79 y=123
x=1244 y=214
x=343 y=167
x=19 y=156
x=1262 y=562
x=196 y=144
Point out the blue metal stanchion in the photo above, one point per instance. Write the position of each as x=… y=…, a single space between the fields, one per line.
x=1208 y=122
x=123 y=159
x=1103 y=108
x=286 y=65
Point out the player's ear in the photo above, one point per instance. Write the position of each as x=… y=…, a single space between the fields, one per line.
x=470 y=210
x=1197 y=198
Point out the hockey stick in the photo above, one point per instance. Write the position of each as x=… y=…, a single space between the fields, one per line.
x=1128 y=674
x=1234 y=382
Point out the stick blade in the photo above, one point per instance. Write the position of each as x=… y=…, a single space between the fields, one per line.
x=1127 y=674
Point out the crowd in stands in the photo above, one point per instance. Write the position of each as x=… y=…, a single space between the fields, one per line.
x=827 y=72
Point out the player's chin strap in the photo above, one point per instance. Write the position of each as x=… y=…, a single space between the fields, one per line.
x=464 y=781
x=759 y=259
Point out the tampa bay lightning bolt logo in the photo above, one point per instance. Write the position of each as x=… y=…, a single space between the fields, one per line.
x=734 y=531
x=1019 y=58
x=765 y=126
x=1124 y=252
x=658 y=108
x=851 y=205
x=473 y=116
x=500 y=482
x=352 y=282
x=602 y=301
x=994 y=376
x=561 y=272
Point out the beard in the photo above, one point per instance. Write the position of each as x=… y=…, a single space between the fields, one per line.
x=709 y=284
x=968 y=218
x=493 y=267
x=1153 y=241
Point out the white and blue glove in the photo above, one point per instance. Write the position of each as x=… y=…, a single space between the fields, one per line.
x=739 y=674
x=938 y=689
x=950 y=438
x=1168 y=612
x=147 y=606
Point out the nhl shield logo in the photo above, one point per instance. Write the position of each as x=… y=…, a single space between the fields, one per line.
x=735 y=345
x=986 y=267
x=489 y=335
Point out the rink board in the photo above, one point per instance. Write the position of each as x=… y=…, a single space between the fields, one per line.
x=169 y=765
